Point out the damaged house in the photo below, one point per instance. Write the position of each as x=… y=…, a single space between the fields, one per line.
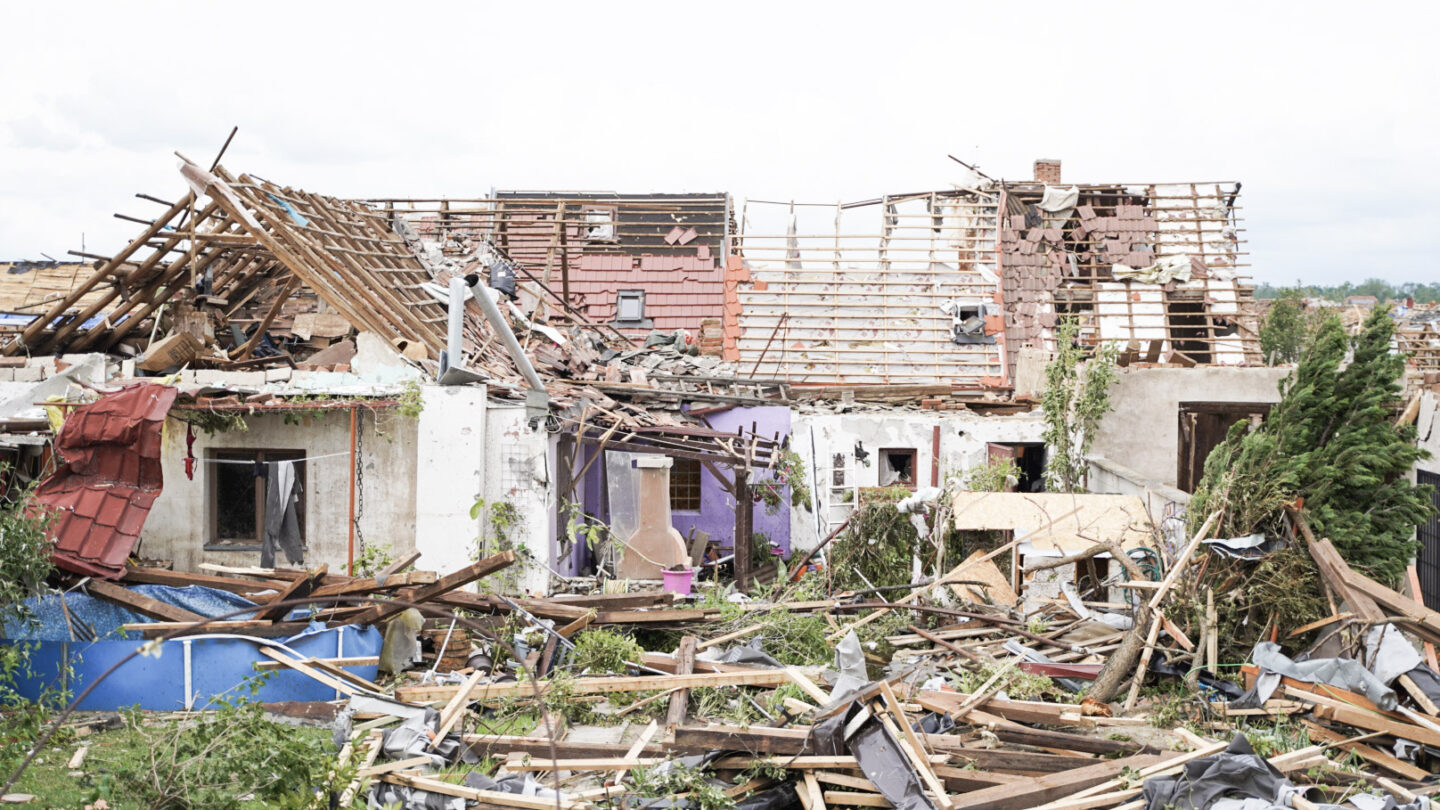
x=893 y=342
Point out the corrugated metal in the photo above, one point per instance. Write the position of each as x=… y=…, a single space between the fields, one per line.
x=110 y=479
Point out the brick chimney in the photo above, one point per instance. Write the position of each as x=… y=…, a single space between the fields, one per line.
x=1047 y=171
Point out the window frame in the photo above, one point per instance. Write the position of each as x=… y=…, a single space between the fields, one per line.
x=641 y=322
x=213 y=541
x=913 y=453
x=697 y=479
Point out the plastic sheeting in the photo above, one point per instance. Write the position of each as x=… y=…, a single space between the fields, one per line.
x=1239 y=779
x=1342 y=672
x=106 y=618
x=854 y=731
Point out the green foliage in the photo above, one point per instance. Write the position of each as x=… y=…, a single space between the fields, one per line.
x=212 y=422
x=581 y=528
x=1331 y=439
x=995 y=475
x=410 y=402
x=1076 y=397
x=373 y=559
x=875 y=549
x=677 y=779
x=24 y=565
x=1422 y=292
x=789 y=471
x=213 y=759
x=605 y=652
x=1018 y=685
x=1286 y=331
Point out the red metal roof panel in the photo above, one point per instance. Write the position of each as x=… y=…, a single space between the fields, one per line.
x=111 y=478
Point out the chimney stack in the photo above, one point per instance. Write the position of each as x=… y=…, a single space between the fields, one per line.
x=1047 y=171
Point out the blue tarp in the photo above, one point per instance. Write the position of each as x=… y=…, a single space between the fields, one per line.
x=107 y=618
x=187 y=672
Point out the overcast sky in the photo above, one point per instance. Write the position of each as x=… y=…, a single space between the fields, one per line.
x=1328 y=113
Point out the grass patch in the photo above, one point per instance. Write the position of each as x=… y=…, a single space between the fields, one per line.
x=110 y=751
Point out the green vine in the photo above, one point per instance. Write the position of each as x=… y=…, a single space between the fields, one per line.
x=1075 y=399
x=411 y=401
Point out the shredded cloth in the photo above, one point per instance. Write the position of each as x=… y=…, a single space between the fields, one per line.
x=1059 y=198
x=282 y=520
x=1163 y=271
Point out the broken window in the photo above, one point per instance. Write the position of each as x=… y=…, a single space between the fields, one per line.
x=630 y=307
x=237 y=496
x=685 y=485
x=600 y=225
x=1203 y=425
x=1191 y=332
x=897 y=468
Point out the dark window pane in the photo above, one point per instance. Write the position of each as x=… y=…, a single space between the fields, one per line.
x=685 y=485
x=235 y=501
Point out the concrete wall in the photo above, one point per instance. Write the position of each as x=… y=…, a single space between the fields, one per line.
x=420 y=478
x=1143 y=431
x=1427 y=426
x=1165 y=503
x=179 y=523
x=519 y=471
x=818 y=437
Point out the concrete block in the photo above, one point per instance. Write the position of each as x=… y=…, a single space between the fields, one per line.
x=7 y=374
x=278 y=374
x=29 y=374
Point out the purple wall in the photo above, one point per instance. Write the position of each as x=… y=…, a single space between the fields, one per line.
x=717 y=507
x=716 y=515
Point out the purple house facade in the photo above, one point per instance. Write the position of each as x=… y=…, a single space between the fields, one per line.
x=699 y=502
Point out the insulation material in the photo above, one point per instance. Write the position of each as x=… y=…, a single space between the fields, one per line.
x=1057 y=522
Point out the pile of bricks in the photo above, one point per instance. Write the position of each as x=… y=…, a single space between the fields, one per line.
x=711 y=337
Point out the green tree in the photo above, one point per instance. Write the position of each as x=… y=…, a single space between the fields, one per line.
x=1331 y=439
x=1077 y=395
x=1286 y=331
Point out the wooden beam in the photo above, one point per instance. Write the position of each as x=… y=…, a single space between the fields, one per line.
x=140 y=603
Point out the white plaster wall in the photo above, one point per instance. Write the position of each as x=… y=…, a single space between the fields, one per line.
x=179 y=523
x=963 y=439
x=449 y=474
x=1427 y=427
x=1143 y=432
x=519 y=469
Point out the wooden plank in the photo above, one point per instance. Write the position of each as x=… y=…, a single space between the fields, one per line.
x=910 y=744
x=793 y=741
x=445 y=584
x=595 y=686
x=680 y=699
x=298 y=589
x=456 y=707
x=485 y=797
x=304 y=668
x=356 y=661
x=1052 y=786
x=140 y=603
x=1374 y=756
x=176 y=579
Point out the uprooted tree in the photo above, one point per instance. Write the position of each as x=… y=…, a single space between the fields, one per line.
x=1333 y=440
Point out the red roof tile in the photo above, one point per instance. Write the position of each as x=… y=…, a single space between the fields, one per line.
x=111 y=478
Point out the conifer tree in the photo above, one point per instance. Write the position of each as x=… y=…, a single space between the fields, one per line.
x=1331 y=439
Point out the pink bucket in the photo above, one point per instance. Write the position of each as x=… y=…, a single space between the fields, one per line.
x=679 y=582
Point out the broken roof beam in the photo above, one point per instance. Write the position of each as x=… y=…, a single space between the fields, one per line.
x=312 y=254
x=26 y=338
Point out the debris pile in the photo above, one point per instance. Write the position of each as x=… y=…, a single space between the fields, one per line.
x=955 y=694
